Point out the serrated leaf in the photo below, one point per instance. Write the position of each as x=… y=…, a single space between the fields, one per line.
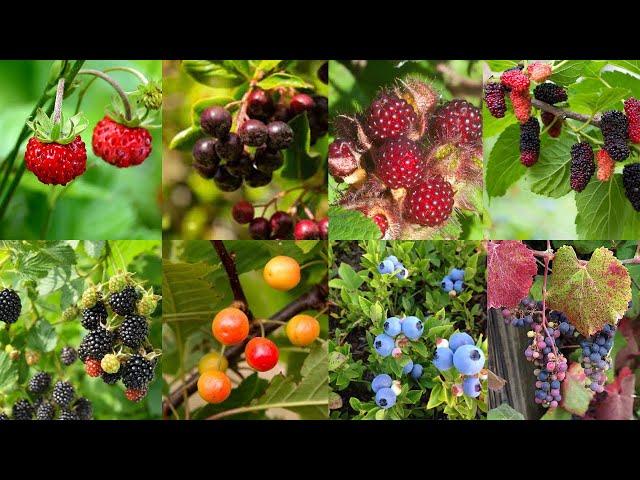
x=575 y=396
x=630 y=65
x=306 y=245
x=504 y=412
x=283 y=80
x=568 y=73
x=511 y=267
x=8 y=372
x=300 y=162
x=185 y=139
x=550 y=174
x=351 y=225
x=212 y=73
x=42 y=337
x=589 y=295
x=504 y=168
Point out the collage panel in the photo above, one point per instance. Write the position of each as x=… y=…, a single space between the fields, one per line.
x=561 y=146
x=244 y=330
x=81 y=156
x=245 y=149
x=405 y=160
x=80 y=331
x=563 y=329
x=407 y=331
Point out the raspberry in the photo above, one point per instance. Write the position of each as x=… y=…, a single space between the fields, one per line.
x=10 y=306
x=323 y=226
x=68 y=355
x=259 y=228
x=257 y=178
x=95 y=316
x=225 y=181
x=494 y=97
x=301 y=102
x=515 y=80
x=582 y=165
x=133 y=331
x=111 y=378
x=457 y=121
x=614 y=123
x=399 y=163
x=632 y=109
x=280 y=135
x=549 y=118
x=242 y=212
x=342 y=160
x=45 y=411
x=93 y=368
x=83 y=408
x=253 y=133
x=429 y=203
x=616 y=147
x=216 y=121
x=521 y=105
x=529 y=142
x=550 y=93
x=54 y=163
x=389 y=117
x=306 y=230
x=40 y=382
x=382 y=222
x=281 y=225
x=605 y=165
x=110 y=363
x=120 y=145
x=135 y=394
x=267 y=161
x=539 y=71
x=137 y=372
x=22 y=410
x=230 y=147
x=259 y=104
x=631 y=182
x=124 y=302
x=95 y=345
x=66 y=414
x=63 y=393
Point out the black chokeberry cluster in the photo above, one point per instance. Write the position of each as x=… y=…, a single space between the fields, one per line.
x=10 y=306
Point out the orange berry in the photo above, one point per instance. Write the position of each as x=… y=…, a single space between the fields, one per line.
x=214 y=386
x=282 y=273
x=230 y=326
x=302 y=330
x=213 y=361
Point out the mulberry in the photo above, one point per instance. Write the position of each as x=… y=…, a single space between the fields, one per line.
x=631 y=182
x=494 y=96
x=605 y=165
x=550 y=93
x=582 y=165
x=617 y=147
x=515 y=80
x=529 y=142
x=521 y=105
x=632 y=109
x=539 y=71
x=555 y=129
x=614 y=123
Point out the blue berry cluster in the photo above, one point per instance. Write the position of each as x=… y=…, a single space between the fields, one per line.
x=460 y=351
x=524 y=315
x=391 y=264
x=595 y=357
x=453 y=281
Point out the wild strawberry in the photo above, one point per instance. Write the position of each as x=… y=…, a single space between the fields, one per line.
x=399 y=163
x=54 y=163
x=605 y=165
x=515 y=80
x=429 y=203
x=459 y=122
x=389 y=117
x=539 y=71
x=120 y=145
x=92 y=367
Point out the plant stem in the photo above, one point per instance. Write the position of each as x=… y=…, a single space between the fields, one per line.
x=565 y=113
x=230 y=267
x=116 y=86
x=253 y=408
x=57 y=108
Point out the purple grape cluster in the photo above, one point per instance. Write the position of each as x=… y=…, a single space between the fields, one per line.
x=550 y=363
x=595 y=357
x=524 y=315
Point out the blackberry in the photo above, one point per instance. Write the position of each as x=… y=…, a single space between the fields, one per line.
x=45 y=411
x=63 y=393
x=96 y=345
x=68 y=355
x=494 y=97
x=616 y=147
x=40 y=382
x=550 y=93
x=83 y=408
x=137 y=372
x=4 y=416
x=93 y=317
x=582 y=165
x=124 y=302
x=66 y=414
x=529 y=142
x=631 y=182
x=10 y=306
x=23 y=410
x=133 y=330
x=614 y=123
x=111 y=378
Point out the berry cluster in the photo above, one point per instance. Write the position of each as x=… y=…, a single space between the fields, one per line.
x=453 y=282
x=391 y=264
x=595 y=357
x=118 y=348
x=10 y=306
x=461 y=352
x=550 y=364
x=403 y=156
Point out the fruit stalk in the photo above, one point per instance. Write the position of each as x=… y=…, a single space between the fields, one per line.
x=57 y=108
x=116 y=86
x=234 y=281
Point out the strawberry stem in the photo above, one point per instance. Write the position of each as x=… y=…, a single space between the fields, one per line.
x=116 y=86
x=57 y=109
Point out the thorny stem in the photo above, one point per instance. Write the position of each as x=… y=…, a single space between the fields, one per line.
x=57 y=108
x=116 y=86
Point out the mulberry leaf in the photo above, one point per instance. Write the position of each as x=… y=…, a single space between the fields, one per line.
x=511 y=267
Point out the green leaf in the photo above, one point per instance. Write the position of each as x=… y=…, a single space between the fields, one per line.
x=212 y=73
x=557 y=414
x=603 y=210
x=504 y=412
x=632 y=66
x=267 y=65
x=300 y=162
x=94 y=248
x=240 y=66
x=42 y=337
x=8 y=372
x=436 y=397
x=123 y=252
x=306 y=245
x=185 y=139
x=351 y=279
x=492 y=126
x=504 y=167
x=568 y=73
x=500 y=66
x=550 y=174
x=283 y=80
x=351 y=225
x=575 y=396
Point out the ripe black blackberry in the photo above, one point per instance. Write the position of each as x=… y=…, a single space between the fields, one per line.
x=631 y=182
x=529 y=142
x=4 y=416
x=494 y=97
x=68 y=355
x=550 y=93
x=10 y=306
x=83 y=408
x=23 y=410
x=133 y=330
x=66 y=414
x=96 y=344
x=111 y=378
x=40 y=382
x=63 y=393
x=124 y=302
x=45 y=411
x=94 y=316
x=582 y=165
x=137 y=372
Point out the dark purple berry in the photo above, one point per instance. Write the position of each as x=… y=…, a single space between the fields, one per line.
x=243 y=212
x=253 y=133
x=230 y=148
x=267 y=161
x=281 y=225
x=259 y=104
x=259 y=228
x=301 y=102
x=323 y=73
x=256 y=178
x=216 y=121
x=225 y=181
x=241 y=166
x=280 y=135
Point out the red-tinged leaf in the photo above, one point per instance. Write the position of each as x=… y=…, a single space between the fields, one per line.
x=575 y=396
x=618 y=404
x=628 y=354
x=511 y=267
x=556 y=414
x=590 y=294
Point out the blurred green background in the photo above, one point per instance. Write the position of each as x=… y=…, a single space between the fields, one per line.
x=105 y=202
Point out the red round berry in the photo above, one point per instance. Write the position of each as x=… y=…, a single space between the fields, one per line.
x=92 y=367
x=429 y=203
x=342 y=161
x=323 y=226
x=120 y=145
x=242 y=212
x=259 y=104
x=261 y=354
x=259 y=228
x=135 y=394
x=389 y=117
x=382 y=222
x=459 y=122
x=399 y=163
x=281 y=225
x=306 y=230
x=301 y=103
x=54 y=163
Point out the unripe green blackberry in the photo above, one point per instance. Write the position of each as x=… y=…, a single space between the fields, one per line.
x=631 y=182
x=582 y=165
x=70 y=313
x=89 y=298
x=10 y=306
x=63 y=393
x=94 y=317
x=40 y=382
x=119 y=281
x=147 y=305
x=23 y=410
x=110 y=363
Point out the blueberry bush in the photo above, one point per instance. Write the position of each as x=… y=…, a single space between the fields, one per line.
x=395 y=317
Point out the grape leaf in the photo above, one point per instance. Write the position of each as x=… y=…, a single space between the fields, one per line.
x=504 y=412
x=556 y=414
x=603 y=210
x=575 y=396
x=511 y=267
x=504 y=168
x=618 y=404
x=351 y=225
x=590 y=295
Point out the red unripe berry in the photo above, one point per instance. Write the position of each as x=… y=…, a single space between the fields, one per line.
x=323 y=226
x=301 y=103
x=242 y=212
x=93 y=368
x=306 y=230
x=259 y=104
x=261 y=354
x=135 y=394
x=259 y=228
x=281 y=225
x=382 y=222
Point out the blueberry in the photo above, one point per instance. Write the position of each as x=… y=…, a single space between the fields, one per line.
x=443 y=358
x=402 y=274
x=385 y=398
x=447 y=284
x=392 y=326
x=385 y=267
x=416 y=371
x=456 y=274
x=412 y=327
x=471 y=387
x=395 y=261
x=381 y=381
x=458 y=339
x=406 y=370
x=468 y=359
x=458 y=286
x=384 y=344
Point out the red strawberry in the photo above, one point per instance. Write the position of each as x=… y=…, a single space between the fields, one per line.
x=429 y=203
x=399 y=163
x=459 y=122
x=55 y=163
x=93 y=368
x=134 y=394
x=120 y=145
